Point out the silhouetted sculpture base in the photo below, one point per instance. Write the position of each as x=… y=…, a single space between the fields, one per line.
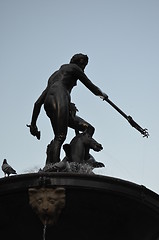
x=77 y=159
x=65 y=166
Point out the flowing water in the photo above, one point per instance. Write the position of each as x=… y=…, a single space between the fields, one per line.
x=44 y=232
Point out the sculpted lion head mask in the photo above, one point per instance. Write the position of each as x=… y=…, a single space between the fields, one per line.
x=47 y=203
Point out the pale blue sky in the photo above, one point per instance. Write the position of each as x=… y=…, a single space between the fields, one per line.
x=121 y=38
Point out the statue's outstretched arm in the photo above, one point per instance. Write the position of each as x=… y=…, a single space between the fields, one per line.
x=91 y=86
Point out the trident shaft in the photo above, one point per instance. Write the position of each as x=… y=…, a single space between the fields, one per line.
x=143 y=131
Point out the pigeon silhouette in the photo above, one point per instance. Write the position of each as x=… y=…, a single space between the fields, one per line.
x=7 y=169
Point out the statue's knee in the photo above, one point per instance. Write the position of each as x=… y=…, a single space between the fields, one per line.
x=61 y=138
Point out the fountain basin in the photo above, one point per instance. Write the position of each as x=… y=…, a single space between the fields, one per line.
x=96 y=207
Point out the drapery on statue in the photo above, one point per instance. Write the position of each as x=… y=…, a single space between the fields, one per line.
x=57 y=103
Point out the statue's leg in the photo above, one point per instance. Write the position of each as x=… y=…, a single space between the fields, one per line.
x=56 y=148
x=59 y=124
x=80 y=124
x=49 y=152
x=53 y=150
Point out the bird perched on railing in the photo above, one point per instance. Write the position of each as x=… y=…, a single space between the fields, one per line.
x=7 y=169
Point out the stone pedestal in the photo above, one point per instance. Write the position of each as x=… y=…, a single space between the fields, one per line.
x=95 y=207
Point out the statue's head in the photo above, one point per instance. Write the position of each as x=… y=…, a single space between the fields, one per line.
x=47 y=203
x=80 y=59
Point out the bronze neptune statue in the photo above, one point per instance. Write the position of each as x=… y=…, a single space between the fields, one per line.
x=56 y=99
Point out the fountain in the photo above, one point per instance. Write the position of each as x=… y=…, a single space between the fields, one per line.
x=87 y=207
x=65 y=199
